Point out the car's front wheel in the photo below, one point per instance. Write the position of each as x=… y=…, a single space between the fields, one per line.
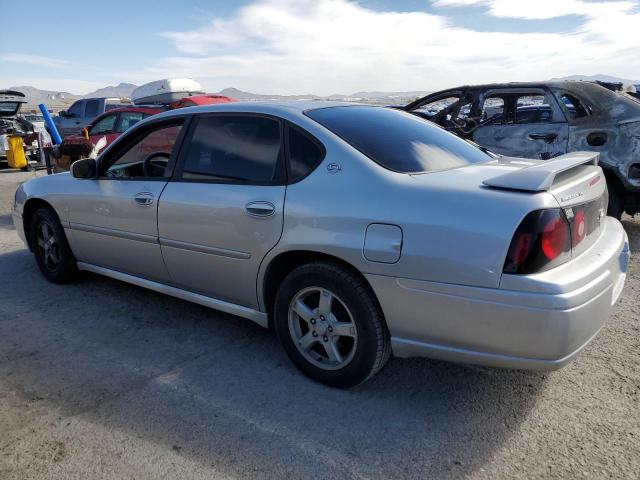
x=50 y=247
x=331 y=325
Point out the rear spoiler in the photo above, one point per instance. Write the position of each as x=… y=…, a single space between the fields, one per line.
x=540 y=177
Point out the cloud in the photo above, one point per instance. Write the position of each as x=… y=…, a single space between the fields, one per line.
x=543 y=9
x=37 y=60
x=329 y=46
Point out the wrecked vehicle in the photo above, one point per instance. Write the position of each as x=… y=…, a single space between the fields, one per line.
x=545 y=120
x=12 y=124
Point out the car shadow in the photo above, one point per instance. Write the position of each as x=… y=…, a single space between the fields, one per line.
x=220 y=391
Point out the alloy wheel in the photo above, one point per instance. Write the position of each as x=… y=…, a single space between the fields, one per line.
x=322 y=328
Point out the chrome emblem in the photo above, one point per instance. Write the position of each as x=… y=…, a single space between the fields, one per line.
x=571 y=197
x=334 y=168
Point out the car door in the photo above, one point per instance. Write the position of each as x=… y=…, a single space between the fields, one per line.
x=113 y=218
x=223 y=210
x=522 y=123
x=72 y=122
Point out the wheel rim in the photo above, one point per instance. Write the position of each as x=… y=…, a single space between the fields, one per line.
x=322 y=328
x=48 y=246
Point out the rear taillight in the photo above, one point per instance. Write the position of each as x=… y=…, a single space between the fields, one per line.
x=542 y=241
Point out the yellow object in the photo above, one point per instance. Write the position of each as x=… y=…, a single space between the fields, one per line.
x=15 y=156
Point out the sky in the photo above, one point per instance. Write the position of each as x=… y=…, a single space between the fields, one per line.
x=315 y=46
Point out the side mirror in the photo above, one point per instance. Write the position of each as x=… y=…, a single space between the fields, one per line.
x=62 y=113
x=86 y=168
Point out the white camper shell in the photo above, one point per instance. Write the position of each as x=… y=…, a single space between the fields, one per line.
x=165 y=91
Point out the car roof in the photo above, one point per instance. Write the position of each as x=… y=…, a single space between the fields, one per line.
x=283 y=108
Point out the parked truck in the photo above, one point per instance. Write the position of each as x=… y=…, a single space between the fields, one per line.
x=84 y=111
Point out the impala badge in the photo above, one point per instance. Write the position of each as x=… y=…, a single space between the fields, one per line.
x=334 y=168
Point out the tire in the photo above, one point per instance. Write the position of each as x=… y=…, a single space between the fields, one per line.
x=342 y=345
x=56 y=262
x=615 y=208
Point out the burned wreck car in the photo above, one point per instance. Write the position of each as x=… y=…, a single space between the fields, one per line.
x=545 y=120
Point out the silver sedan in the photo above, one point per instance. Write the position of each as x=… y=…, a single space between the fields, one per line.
x=353 y=231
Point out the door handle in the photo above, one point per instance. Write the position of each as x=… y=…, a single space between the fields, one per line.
x=260 y=209
x=144 y=198
x=547 y=137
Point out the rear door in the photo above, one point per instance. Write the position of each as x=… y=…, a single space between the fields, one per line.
x=522 y=123
x=223 y=210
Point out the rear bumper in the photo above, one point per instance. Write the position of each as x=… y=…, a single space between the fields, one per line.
x=538 y=322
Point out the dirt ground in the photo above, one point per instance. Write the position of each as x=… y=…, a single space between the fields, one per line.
x=99 y=379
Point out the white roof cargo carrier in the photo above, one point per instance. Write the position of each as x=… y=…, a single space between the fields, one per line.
x=166 y=91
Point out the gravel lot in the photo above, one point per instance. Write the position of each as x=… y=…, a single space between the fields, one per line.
x=100 y=379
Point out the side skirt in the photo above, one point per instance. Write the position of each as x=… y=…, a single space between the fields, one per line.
x=254 y=315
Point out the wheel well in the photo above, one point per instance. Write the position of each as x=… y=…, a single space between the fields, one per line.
x=613 y=180
x=32 y=205
x=287 y=262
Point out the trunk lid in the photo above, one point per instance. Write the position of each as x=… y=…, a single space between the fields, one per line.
x=10 y=102
x=576 y=182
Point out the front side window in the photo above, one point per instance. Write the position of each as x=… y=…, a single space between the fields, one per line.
x=91 y=108
x=104 y=125
x=234 y=148
x=148 y=156
x=127 y=120
x=397 y=140
x=436 y=106
x=493 y=110
x=76 y=109
x=304 y=154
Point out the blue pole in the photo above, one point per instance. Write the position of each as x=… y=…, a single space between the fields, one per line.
x=55 y=136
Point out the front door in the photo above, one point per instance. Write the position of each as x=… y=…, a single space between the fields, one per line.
x=114 y=218
x=223 y=211
x=520 y=123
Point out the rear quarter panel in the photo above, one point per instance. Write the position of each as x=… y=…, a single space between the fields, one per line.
x=454 y=229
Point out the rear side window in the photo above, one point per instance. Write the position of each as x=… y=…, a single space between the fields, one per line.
x=533 y=109
x=127 y=120
x=398 y=140
x=234 y=148
x=304 y=154
x=91 y=108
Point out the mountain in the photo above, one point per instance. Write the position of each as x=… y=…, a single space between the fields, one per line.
x=36 y=96
x=602 y=78
x=120 y=90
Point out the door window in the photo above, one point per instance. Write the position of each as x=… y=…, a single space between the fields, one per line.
x=76 y=109
x=436 y=106
x=493 y=110
x=533 y=109
x=148 y=155
x=127 y=120
x=91 y=108
x=104 y=125
x=304 y=154
x=234 y=148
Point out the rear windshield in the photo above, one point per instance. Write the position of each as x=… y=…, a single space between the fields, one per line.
x=398 y=140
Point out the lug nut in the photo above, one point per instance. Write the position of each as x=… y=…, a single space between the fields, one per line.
x=322 y=318
x=325 y=338
x=330 y=329
x=313 y=321
x=315 y=334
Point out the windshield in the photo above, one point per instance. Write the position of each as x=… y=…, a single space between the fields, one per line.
x=398 y=140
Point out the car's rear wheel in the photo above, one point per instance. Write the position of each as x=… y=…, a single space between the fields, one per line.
x=50 y=247
x=331 y=325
